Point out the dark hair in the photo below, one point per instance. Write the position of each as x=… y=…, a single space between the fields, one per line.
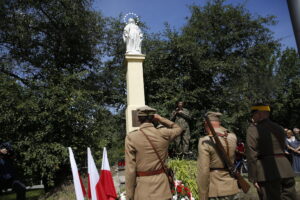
x=177 y=102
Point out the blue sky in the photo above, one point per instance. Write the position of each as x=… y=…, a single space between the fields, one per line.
x=156 y=12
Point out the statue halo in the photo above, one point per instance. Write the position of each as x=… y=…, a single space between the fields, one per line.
x=131 y=14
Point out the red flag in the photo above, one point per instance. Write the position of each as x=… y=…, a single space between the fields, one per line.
x=105 y=188
x=89 y=188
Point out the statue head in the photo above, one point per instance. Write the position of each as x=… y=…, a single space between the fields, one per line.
x=131 y=21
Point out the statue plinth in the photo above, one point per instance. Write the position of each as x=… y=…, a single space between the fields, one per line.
x=135 y=89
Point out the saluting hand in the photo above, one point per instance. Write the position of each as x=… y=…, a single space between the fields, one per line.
x=156 y=117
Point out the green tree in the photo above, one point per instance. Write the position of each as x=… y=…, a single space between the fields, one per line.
x=51 y=53
x=224 y=59
x=286 y=98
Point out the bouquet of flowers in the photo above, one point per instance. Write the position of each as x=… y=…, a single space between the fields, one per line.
x=181 y=192
x=122 y=196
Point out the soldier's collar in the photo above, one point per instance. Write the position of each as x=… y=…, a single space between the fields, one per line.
x=144 y=125
x=221 y=131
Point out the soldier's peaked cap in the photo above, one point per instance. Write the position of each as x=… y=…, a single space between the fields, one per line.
x=145 y=111
x=260 y=107
x=213 y=116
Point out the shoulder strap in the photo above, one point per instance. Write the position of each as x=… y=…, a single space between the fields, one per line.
x=160 y=160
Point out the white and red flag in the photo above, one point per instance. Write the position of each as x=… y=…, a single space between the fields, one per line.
x=93 y=177
x=105 y=187
x=79 y=188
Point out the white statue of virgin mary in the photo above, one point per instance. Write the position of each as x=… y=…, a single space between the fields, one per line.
x=133 y=37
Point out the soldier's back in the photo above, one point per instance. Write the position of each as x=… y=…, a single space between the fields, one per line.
x=271 y=161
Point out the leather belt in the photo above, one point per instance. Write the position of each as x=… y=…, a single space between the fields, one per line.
x=272 y=155
x=150 y=173
x=221 y=169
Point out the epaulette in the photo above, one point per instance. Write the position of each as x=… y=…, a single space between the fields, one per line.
x=206 y=139
x=136 y=130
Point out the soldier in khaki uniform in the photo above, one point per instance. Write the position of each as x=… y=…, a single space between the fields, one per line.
x=214 y=180
x=269 y=170
x=145 y=179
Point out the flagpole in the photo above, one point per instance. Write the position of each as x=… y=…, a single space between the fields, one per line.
x=294 y=9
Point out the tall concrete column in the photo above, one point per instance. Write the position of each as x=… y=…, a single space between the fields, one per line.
x=135 y=89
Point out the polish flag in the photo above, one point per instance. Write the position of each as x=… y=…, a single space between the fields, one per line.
x=105 y=187
x=93 y=176
x=79 y=188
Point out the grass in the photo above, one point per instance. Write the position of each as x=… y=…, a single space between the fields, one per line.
x=65 y=192
x=31 y=195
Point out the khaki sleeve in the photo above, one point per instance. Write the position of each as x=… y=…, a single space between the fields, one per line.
x=130 y=168
x=203 y=169
x=172 y=130
x=251 y=153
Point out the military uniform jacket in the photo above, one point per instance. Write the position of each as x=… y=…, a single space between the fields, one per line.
x=182 y=119
x=140 y=156
x=263 y=151
x=215 y=183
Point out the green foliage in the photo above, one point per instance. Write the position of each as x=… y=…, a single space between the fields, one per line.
x=186 y=171
x=51 y=89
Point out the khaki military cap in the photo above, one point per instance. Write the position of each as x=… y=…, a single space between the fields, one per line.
x=213 y=116
x=145 y=111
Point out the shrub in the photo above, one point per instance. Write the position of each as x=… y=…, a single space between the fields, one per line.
x=186 y=170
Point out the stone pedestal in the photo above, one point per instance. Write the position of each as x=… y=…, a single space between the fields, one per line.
x=135 y=89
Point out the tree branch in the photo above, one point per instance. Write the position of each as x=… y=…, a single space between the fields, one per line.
x=24 y=81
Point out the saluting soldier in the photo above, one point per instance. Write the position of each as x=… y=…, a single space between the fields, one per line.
x=214 y=180
x=145 y=178
x=269 y=169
